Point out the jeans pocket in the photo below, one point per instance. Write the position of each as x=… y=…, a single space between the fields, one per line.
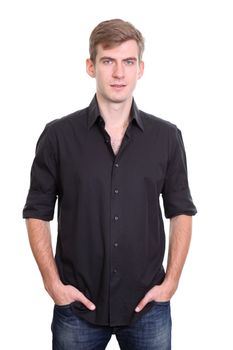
x=162 y=302
x=63 y=310
x=62 y=306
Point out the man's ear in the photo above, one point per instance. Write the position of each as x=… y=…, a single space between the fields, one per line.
x=141 y=69
x=90 y=68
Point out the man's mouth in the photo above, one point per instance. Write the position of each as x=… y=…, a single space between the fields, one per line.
x=118 y=86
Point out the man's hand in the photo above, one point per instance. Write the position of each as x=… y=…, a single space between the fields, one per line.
x=66 y=294
x=161 y=293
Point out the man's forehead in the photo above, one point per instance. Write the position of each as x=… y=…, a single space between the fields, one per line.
x=126 y=49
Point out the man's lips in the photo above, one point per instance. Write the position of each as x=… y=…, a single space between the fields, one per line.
x=118 y=85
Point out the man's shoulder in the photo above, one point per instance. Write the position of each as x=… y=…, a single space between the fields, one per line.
x=74 y=118
x=152 y=121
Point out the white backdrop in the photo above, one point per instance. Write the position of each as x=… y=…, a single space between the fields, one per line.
x=188 y=80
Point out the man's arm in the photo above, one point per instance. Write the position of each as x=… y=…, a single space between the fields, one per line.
x=180 y=237
x=40 y=240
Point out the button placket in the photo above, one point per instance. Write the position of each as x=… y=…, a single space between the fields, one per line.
x=116 y=228
x=115 y=204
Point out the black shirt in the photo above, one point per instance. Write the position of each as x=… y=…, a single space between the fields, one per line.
x=111 y=237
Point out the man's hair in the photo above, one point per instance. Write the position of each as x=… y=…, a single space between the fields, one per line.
x=112 y=33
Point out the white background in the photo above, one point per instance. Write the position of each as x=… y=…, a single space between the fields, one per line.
x=188 y=80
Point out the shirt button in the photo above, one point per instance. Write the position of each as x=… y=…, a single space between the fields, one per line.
x=114 y=271
x=116 y=218
x=115 y=244
x=116 y=165
x=107 y=140
x=116 y=191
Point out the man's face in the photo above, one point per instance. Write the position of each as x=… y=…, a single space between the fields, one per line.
x=116 y=71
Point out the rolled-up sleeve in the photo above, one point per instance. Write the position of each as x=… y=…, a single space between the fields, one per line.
x=176 y=194
x=43 y=192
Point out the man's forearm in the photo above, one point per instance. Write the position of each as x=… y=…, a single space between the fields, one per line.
x=179 y=242
x=40 y=241
x=180 y=237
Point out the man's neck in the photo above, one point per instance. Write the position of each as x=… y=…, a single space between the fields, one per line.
x=115 y=115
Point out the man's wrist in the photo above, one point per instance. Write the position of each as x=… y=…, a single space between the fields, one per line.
x=52 y=285
x=170 y=285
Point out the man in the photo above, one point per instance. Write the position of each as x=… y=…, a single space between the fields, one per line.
x=107 y=165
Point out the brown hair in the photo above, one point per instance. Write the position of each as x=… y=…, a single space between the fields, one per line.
x=112 y=33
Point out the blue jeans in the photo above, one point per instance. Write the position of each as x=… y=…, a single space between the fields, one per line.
x=151 y=331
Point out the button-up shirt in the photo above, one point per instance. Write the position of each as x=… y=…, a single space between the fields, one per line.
x=111 y=238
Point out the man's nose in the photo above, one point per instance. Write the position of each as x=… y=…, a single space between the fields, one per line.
x=118 y=71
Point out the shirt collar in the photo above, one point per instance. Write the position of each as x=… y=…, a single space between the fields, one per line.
x=94 y=114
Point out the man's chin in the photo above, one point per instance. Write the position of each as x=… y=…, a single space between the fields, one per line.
x=114 y=97
x=117 y=99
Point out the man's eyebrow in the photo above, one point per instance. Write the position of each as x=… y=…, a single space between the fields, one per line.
x=130 y=59
x=113 y=59
x=106 y=58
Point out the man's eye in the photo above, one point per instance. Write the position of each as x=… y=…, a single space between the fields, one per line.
x=107 y=62
x=129 y=62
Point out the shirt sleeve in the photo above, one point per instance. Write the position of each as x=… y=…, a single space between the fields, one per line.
x=176 y=194
x=42 y=193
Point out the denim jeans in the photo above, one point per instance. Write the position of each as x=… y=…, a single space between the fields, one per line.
x=151 y=331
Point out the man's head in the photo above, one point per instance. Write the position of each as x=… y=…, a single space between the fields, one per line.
x=116 y=49
x=112 y=33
